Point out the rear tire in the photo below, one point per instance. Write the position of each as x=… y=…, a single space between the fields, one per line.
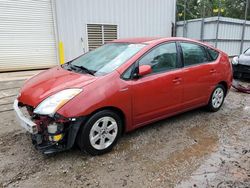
x=100 y=133
x=217 y=98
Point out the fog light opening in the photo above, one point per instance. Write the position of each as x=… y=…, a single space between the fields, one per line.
x=55 y=132
x=57 y=137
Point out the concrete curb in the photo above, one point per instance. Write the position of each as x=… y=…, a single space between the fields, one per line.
x=20 y=75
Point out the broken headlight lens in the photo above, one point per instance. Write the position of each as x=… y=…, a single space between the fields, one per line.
x=51 y=104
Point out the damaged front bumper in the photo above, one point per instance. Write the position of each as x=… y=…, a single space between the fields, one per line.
x=25 y=122
x=240 y=87
x=49 y=135
x=241 y=71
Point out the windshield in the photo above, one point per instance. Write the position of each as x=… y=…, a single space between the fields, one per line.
x=106 y=58
x=247 y=52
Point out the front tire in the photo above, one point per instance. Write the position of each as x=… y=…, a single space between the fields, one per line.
x=100 y=133
x=217 y=98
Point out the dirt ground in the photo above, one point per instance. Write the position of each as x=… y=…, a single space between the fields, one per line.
x=194 y=149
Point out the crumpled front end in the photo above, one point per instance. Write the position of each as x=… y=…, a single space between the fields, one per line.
x=49 y=134
x=241 y=71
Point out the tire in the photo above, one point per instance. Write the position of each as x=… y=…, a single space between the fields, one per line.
x=100 y=133
x=217 y=98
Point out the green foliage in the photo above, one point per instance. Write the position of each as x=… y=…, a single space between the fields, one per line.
x=208 y=8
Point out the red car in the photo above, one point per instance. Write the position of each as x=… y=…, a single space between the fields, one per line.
x=95 y=98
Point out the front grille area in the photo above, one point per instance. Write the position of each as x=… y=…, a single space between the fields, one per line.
x=242 y=68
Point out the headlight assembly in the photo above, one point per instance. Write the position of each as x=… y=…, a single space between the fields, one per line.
x=51 y=104
x=235 y=61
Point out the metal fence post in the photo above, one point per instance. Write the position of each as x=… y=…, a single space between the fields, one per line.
x=174 y=25
x=202 y=29
x=184 y=20
x=243 y=29
x=202 y=22
x=218 y=24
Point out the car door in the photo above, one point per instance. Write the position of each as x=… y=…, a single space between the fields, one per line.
x=159 y=93
x=198 y=74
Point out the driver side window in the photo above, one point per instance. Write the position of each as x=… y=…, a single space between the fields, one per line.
x=161 y=58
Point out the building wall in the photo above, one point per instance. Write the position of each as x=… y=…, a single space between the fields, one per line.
x=135 y=18
x=229 y=33
x=27 y=36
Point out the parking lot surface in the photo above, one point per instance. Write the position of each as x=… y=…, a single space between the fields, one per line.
x=194 y=149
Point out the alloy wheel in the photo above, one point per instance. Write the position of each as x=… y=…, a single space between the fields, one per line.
x=217 y=97
x=103 y=133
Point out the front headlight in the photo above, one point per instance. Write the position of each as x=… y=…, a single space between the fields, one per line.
x=235 y=61
x=50 y=105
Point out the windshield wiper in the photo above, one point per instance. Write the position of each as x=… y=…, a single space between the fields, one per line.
x=83 y=69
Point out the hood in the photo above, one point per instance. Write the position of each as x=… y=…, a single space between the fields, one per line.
x=49 y=82
x=244 y=59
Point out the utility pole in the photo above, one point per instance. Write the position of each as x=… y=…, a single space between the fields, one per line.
x=244 y=28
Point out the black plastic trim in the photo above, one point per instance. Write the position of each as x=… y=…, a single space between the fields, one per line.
x=49 y=147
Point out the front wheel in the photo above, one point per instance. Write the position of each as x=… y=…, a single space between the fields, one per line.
x=100 y=133
x=217 y=98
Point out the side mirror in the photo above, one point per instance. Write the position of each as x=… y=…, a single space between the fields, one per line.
x=144 y=70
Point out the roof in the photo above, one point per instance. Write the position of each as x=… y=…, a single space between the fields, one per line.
x=137 y=40
x=150 y=40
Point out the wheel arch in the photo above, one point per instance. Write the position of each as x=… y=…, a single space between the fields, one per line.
x=224 y=83
x=116 y=110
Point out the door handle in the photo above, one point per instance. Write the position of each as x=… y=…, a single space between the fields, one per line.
x=123 y=89
x=212 y=71
x=177 y=80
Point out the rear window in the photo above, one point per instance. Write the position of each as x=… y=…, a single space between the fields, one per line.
x=213 y=54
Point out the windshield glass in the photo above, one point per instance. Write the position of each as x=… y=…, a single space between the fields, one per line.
x=247 y=52
x=107 y=58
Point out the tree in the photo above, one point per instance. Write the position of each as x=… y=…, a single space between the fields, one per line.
x=207 y=8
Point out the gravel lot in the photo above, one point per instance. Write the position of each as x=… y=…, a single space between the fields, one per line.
x=194 y=149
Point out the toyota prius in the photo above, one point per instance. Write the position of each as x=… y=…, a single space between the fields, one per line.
x=121 y=86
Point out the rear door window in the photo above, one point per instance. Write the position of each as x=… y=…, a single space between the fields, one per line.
x=193 y=54
x=213 y=54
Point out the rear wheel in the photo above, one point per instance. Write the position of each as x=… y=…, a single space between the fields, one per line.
x=217 y=98
x=100 y=133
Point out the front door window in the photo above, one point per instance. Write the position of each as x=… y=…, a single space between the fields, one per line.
x=161 y=58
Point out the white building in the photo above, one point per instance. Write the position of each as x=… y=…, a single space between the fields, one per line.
x=32 y=32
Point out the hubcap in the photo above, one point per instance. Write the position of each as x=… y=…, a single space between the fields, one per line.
x=103 y=133
x=217 y=98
